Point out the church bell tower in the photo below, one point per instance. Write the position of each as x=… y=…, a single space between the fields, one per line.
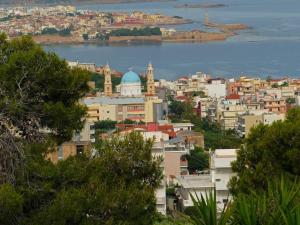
x=107 y=81
x=150 y=80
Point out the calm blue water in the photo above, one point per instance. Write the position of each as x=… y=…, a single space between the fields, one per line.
x=271 y=47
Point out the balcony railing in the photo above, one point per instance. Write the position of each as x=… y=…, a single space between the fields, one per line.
x=135 y=110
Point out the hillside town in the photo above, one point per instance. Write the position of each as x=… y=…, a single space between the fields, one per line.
x=119 y=112
x=76 y=24
x=235 y=105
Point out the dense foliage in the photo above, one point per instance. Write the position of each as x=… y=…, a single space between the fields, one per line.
x=268 y=152
x=38 y=93
x=115 y=187
x=99 y=81
x=147 y=31
x=39 y=108
x=105 y=125
x=197 y=160
x=52 y=31
x=279 y=204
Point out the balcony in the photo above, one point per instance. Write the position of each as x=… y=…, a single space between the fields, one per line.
x=135 y=110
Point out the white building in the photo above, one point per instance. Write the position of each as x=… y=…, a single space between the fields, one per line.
x=217 y=179
x=182 y=126
x=193 y=185
x=158 y=151
x=221 y=173
x=171 y=151
x=216 y=88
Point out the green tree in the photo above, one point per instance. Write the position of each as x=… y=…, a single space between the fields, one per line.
x=147 y=31
x=11 y=204
x=180 y=110
x=197 y=160
x=291 y=100
x=38 y=92
x=268 y=152
x=49 y=31
x=105 y=125
x=115 y=187
x=214 y=136
x=205 y=212
x=279 y=204
x=85 y=36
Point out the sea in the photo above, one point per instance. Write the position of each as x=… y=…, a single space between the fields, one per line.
x=271 y=47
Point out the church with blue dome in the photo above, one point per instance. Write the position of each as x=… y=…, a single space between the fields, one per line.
x=131 y=85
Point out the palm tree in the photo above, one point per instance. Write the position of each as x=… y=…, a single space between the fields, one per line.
x=205 y=211
x=279 y=204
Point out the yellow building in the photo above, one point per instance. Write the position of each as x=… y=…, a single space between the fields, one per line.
x=147 y=109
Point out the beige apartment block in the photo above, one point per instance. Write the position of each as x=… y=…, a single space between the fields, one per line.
x=229 y=116
x=246 y=122
x=275 y=105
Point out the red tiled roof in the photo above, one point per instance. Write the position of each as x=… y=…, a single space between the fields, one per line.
x=232 y=97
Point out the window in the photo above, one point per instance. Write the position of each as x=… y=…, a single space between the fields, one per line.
x=60 y=152
x=218 y=180
x=79 y=149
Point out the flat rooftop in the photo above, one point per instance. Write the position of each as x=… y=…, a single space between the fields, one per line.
x=225 y=153
x=196 y=181
x=113 y=100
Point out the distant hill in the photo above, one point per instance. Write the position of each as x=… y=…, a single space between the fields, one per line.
x=26 y=2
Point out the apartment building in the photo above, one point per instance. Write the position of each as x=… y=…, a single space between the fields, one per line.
x=216 y=88
x=221 y=173
x=229 y=115
x=246 y=121
x=277 y=105
x=193 y=185
x=201 y=105
x=216 y=180
x=169 y=147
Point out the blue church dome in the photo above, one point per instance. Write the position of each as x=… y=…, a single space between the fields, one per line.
x=130 y=77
